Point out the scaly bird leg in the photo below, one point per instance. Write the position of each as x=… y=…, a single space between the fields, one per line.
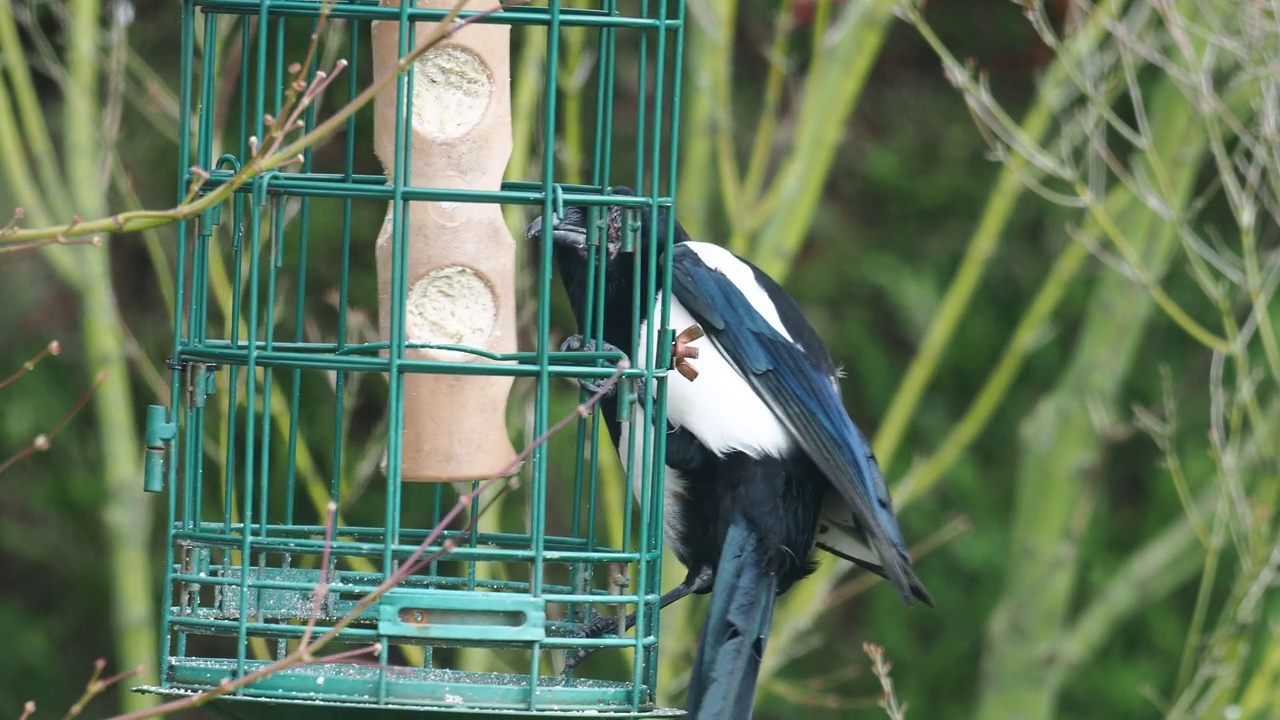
x=576 y=343
x=604 y=624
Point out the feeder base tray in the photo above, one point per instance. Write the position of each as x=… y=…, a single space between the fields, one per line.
x=325 y=691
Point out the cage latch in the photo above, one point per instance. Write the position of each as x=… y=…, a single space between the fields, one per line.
x=462 y=616
x=159 y=432
x=202 y=382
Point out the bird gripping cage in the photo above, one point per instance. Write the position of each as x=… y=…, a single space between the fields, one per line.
x=276 y=361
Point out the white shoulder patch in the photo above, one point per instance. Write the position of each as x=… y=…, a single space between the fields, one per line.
x=741 y=275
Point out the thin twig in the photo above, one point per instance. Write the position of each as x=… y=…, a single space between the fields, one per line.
x=881 y=668
x=11 y=227
x=43 y=441
x=117 y=56
x=136 y=220
x=322 y=588
x=50 y=350
x=55 y=240
x=96 y=686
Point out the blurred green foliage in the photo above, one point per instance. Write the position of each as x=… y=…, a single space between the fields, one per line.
x=909 y=181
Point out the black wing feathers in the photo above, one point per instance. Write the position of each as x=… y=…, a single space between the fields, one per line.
x=795 y=387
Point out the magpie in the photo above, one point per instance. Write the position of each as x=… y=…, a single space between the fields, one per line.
x=763 y=462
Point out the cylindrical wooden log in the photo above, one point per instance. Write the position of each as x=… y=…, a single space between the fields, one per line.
x=461 y=261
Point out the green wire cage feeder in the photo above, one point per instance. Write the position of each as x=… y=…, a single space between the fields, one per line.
x=278 y=349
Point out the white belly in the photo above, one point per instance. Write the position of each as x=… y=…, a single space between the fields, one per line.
x=719 y=407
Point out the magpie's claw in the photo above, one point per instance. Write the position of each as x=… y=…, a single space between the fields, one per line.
x=601 y=626
x=576 y=343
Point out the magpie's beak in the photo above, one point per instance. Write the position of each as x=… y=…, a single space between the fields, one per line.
x=568 y=232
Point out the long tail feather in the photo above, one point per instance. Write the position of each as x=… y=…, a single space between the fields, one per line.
x=733 y=638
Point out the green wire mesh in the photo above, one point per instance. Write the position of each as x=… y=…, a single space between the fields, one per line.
x=274 y=371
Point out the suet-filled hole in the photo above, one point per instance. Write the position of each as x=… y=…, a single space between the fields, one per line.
x=451 y=89
x=451 y=305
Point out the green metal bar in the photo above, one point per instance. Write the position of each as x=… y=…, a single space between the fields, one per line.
x=371 y=549
x=354 y=587
x=233 y=372
x=594 y=317
x=275 y=230
x=587 y=438
x=352 y=634
x=371 y=349
x=646 y=301
x=399 y=289
x=193 y=462
x=525 y=16
x=168 y=647
x=213 y=530
x=344 y=286
x=378 y=187
x=193 y=476
x=299 y=317
x=251 y=376
x=245 y=48
x=660 y=410
x=543 y=386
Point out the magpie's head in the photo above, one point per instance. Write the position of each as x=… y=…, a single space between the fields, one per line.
x=569 y=232
x=571 y=245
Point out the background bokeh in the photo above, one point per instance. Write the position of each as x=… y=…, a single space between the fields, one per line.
x=1040 y=237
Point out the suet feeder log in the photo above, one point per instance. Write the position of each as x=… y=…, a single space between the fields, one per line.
x=461 y=256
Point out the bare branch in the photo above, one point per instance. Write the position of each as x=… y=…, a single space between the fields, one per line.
x=97 y=685
x=44 y=441
x=881 y=668
x=136 y=220
x=50 y=350
x=322 y=588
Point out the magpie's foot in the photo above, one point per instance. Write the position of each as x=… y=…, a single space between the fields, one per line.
x=601 y=626
x=575 y=343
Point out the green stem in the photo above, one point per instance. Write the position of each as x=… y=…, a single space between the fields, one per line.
x=1065 y=436
x=526 y=91
x=138 y=220
x=1147 y=278
x=767 y=125
x=832 y=88
x=162 y=272
x=1208 y=573
x=1158 y=568
x=126 y=512
x=924 y=476
x=982 y=245
x=696 y=188
x=13 y=163
x=35 y=131
x=722 y=125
